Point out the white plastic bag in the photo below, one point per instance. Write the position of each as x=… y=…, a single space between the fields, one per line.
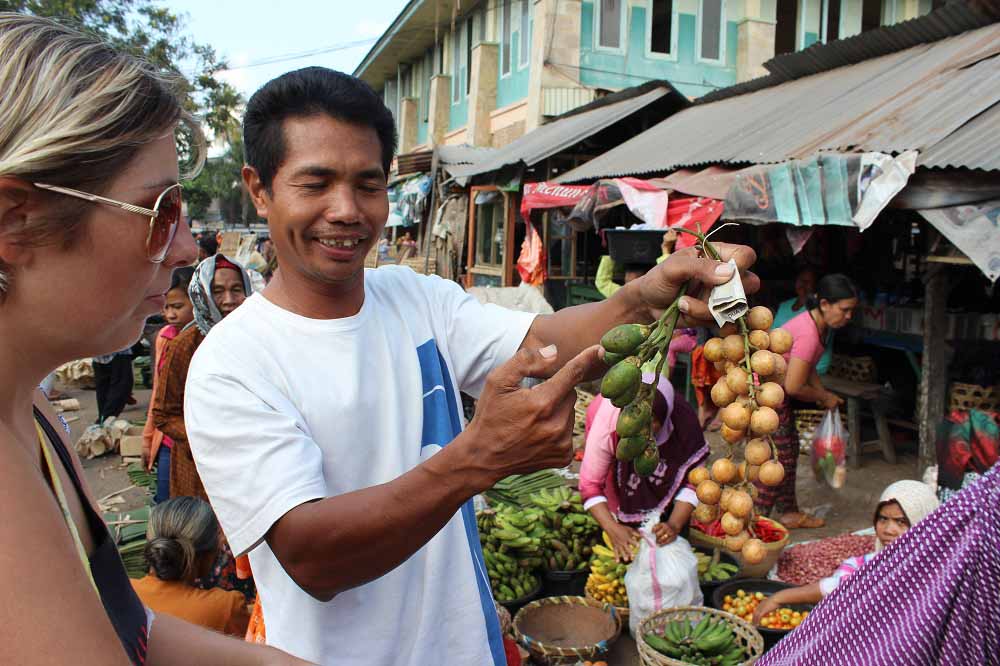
x=829 y=450
x=660 y=577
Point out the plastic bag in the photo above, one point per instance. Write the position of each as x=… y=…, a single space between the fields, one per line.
x=660 y=577
x=829 y=450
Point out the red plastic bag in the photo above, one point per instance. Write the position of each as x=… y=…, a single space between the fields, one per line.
x=829 y=450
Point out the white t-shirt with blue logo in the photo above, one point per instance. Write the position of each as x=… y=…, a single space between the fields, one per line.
x=281 y=410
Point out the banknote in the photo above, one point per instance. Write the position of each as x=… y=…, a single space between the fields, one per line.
x=728 y=301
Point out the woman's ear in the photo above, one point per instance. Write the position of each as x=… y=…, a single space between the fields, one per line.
x=17 y=200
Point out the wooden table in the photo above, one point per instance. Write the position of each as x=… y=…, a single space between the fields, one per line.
x=854 y=393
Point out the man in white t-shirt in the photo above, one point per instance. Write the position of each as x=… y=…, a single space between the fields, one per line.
x=324 y=413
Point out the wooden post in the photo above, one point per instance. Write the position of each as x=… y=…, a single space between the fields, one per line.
x=934 y=363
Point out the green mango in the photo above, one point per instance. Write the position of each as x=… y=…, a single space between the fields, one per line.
x=625 y=338
x=634 y=418
x=647 y=461
x=629 y=448
x=627 y=397
x=624 y=377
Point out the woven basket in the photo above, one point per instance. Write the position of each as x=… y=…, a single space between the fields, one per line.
x=973 y=396
x=759 y=570
x=623 y=611
x=854 y=368
x=504 y=615
x=554 y=649
x=748 y=637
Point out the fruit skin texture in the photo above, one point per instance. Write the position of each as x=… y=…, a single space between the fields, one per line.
x=759 y=339
x=757 y=452
x=647 y=461
x=764 y=421
x=781 y=341
x=697 y=475
x=735 y=542
x=706 y=513
x=722 y=395
x=623 y=378
x=753 y=551
x=762 y=362
x=760 y=318
x=633 y=418
x=771 y=473
x=624 y=339
x=736 y=416
x=736 y=379
x=713 y=350
x=723 y=471
x=770 y=394
x=733 y=349
x=709 y=492
x=732 y=525
x=730 y=435
x=740 y=504
x=629 y=448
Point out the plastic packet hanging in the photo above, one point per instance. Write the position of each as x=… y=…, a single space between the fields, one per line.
x=829 y=450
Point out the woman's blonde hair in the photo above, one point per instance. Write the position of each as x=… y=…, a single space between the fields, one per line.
x=180 y=529
x=73 y=112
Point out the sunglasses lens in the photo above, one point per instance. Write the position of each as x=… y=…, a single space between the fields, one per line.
x=164 y=225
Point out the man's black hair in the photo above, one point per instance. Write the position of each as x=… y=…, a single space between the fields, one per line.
x=307 y=92
x=209 y=245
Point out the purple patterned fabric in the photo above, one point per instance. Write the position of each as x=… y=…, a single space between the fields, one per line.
x=931 y=597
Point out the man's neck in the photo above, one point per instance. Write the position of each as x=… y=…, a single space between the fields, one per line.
x=309 y=299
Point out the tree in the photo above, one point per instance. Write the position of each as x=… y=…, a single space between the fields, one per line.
x=151 y=31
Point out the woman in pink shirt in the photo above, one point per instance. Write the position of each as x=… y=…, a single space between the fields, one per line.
x=619 y=498
x=830 y=308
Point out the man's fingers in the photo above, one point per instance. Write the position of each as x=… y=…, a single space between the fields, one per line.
x=525 y=363
x=571 y=374
x=745 y=256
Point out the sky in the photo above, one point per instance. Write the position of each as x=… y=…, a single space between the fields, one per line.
x=246 y=32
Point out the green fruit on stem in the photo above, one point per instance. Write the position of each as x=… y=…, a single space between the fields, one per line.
x=634 y=418
x=629 y=448
x=647 y=461
x=625 y=338
x=625 y=376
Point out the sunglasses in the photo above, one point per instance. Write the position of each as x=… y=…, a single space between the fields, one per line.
x=164 y=216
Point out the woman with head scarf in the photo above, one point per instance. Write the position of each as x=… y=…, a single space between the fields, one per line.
x=902 y=505
x=930 y=597
x=218 y=287
x=617 y=496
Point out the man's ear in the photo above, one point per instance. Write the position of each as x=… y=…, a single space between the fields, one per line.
x=258 y=193
x=18 y=198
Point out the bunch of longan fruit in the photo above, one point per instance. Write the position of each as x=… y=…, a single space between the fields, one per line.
x=747 y=394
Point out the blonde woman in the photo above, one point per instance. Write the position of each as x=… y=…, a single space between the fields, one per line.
x=90 y=230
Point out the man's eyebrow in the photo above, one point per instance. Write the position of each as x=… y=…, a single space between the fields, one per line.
x=314 y=170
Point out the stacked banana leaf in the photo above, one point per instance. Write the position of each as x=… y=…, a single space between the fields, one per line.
x=517 y=489
x=128 y=529
x=141 y=478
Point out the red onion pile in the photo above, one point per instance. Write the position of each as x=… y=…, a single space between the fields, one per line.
x=810 y=562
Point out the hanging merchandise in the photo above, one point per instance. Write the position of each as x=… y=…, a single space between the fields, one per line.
x=828 y=189
x=408 y=201
x=973 y=229
x=531 y=262
x=694 y=214
x=550 y=195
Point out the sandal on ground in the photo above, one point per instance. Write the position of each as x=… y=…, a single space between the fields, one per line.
x=795 y=521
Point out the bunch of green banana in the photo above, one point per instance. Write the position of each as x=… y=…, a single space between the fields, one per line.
x=571 y=532
x=512 y=548
x=607 y=577
x=708 y=643
x=711 y=570
x=626 y=348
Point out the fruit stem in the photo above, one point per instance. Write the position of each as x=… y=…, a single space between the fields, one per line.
x=669 y=322
x=746 y=357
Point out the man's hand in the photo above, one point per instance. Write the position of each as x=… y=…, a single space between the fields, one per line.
x=519 y=430
x=658 y=288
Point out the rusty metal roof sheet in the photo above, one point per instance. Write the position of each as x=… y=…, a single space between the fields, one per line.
x=569 y=129
x=914 y=99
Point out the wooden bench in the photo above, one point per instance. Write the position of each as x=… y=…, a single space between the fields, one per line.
x=872 y=394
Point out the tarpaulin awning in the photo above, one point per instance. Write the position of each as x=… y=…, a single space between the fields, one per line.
x=975 y=230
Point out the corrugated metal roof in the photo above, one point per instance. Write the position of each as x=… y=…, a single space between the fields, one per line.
x=461 y=154
x=561 y=133
x=911 y=100
x=952 y=19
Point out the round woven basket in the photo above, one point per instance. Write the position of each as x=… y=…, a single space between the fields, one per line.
x=622 y=611
x=504 y=615
x=759 y=570
x=565 y=630
x=746 y=635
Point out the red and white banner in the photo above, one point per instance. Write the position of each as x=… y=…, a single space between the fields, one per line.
x=550 y=195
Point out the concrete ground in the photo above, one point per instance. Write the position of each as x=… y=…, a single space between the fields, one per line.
x=845 y=510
